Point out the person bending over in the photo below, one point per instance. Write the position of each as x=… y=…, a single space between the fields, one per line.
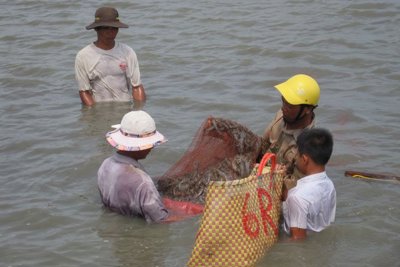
x=124 y=185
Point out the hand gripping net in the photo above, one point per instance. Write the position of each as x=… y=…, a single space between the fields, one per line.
x=221 y=150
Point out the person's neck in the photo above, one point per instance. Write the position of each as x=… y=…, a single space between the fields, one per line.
x=105 y=45
x=301 y=123
x=131 y=154
x=136 y=155
x=314 y=169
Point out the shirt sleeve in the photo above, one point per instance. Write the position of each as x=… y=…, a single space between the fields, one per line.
x=267 y=131
x=133 y=71
x=150 y=203
x=81 y=74
x=296 y=213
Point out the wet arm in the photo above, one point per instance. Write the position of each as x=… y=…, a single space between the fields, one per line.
x=298 y=233
x=138 y=93
x=86 y=97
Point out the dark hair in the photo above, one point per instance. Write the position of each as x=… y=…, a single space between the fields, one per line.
x=317 y=143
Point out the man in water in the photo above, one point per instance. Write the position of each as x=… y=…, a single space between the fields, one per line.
x=107 y=70
x=300 y=96
x=124 y=185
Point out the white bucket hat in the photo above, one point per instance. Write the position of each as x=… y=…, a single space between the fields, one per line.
x=137 y=131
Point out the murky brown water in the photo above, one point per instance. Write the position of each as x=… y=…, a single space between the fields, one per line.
x=198 y=58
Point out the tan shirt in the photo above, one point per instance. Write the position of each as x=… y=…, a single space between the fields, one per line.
x=282 y=142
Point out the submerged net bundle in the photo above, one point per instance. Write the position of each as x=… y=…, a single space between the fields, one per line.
x=221 y=150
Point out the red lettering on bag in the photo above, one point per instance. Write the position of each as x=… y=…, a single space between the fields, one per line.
x=265 y=217
x=249 y=219
x=251 y=224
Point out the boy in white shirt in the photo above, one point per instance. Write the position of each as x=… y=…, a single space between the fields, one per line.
x=311 y=204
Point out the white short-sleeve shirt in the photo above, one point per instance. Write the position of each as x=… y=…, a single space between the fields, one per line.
x=108 y=73
x=311 y=204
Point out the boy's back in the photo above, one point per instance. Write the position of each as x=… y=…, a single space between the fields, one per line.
x=312 y=203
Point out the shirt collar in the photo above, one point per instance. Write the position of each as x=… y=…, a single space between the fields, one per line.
x=296 y=132
x=313 y=177
x=127 y=160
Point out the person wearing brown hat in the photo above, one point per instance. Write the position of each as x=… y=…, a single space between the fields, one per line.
x=107 y=70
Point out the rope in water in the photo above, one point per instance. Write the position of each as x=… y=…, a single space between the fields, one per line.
x=376 y=177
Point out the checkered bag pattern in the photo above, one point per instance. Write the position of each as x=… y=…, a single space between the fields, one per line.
x=240 y=220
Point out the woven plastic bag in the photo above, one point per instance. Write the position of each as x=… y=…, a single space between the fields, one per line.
x=241 y=217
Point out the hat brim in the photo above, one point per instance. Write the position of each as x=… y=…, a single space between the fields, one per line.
x=288 y=94
x=121 y=142
x=115 y=24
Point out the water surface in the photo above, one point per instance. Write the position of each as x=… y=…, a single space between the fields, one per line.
x=197 y=58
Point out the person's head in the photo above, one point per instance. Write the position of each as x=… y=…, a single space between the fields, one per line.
x=106 y=18
x=136 y=135
x=300 y=96
x=314 y=148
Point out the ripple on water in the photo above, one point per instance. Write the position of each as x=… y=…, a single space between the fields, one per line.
x=197 y=59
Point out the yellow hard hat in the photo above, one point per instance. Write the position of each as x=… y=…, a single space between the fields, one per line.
x=300 y=89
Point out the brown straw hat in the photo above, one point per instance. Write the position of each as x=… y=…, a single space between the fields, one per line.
x=106 y=16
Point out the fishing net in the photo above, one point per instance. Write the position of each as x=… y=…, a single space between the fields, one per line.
x=240 y=220
x=221 y=150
